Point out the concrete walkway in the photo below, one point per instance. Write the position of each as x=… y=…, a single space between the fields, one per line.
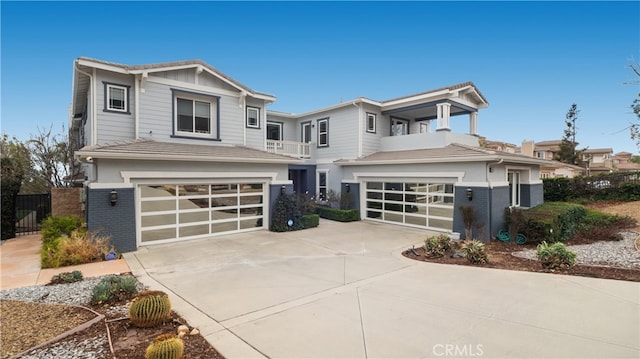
x=344 y=291
x=20 y=264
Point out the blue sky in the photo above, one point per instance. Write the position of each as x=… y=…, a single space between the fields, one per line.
x=531 y=60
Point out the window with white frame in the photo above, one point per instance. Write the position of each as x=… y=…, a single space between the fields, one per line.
x=196 y=115
x=371 y=122
x=424 y=127
x=274 y=131
x=323 y=132
x=399 y=127
x=322 y=186
x=116 y=98
x=306 y=132
x=513 y=177
x=253 y=117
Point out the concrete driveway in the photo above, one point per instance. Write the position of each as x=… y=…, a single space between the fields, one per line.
x=343 y=290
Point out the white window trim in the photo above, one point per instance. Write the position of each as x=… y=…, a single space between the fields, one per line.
x=326 y=144
x=515 y=188
x=393 y=124
x=302 y=127
x=257 y=110
x=108 y=87
x=375 y=119
x=326 y=186
x=213 y=114
x=280 y=127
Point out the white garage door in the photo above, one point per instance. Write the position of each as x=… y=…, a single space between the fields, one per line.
x=186 y=211
x=414 y=204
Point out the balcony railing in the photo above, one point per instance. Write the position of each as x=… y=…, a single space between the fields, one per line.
x=289 y=148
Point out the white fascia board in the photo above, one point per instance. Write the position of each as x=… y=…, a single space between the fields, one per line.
x=191 y=87
x=127 y=176
x=403 y=101
x=102 y=66
x=330 y=108
x=215 y=74
x=96 y=185
x=358 y=176
x=416 y=161
x=173 y=157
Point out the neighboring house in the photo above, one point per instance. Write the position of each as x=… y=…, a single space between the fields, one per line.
x=598 y=160
x=547 y=150
x=178 y=151
x=622 y=162
x=498 y=145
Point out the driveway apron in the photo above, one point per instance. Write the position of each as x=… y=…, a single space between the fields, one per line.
x=343 y=290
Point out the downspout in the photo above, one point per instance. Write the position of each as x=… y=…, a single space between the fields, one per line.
x=490 y=196
x=359 y=128
x=136 y=115
x=94 y=132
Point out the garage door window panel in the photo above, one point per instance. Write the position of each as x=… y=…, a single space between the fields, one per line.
x=191 y=231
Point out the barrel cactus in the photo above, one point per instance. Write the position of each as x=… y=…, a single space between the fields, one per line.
x=165 y=346
x=150 y=308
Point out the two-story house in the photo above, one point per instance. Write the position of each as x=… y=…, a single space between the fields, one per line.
x=598 y=160
x=622 y=161
x=547 y=150
x=178 y=151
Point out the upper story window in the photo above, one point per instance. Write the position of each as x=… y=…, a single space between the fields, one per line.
x=116 y=98
x=323 y=132
x=274 y=131
x=306 y=132
x=253 y=117
x=399 y=127
x=196 y=115
x=371 y=122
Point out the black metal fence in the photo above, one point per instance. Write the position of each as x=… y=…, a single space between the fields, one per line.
x=31 y=209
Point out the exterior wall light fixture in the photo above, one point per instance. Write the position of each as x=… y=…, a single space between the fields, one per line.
x=113 y=197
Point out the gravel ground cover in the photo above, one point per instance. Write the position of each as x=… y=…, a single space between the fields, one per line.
x=29 y=319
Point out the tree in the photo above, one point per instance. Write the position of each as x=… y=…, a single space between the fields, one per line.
x=568 y=153
x=635 y=106
x=51 y=156
x=11 y=174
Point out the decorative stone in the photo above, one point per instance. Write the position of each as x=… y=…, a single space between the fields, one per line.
x=195 y=331
x=183 y=329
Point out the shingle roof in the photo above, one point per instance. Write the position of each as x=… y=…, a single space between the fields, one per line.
x=452 y=153
x=171 y=151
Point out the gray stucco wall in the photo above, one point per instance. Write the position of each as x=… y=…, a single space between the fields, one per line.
x=532 y=195
x=353 y=193
x=481 y=201
x=117 y=221
x=499 y=201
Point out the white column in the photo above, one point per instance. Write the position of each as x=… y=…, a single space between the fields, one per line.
x=443 y=113
x=473 y=123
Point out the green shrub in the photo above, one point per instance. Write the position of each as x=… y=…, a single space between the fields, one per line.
x=310 y=220
x=555 y=256
x=475 y=252
x=553 y=221
x=57 y=226
x=79 y=247
x=341 y=215
x=66 y=277
x=436 y=247
x=114 y=287
x=603 y=226
x=286 y=214
x=306 y=203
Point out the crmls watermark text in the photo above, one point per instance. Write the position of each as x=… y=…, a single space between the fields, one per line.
x=458 y=350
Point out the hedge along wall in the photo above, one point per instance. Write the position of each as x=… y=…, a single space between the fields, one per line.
x=622 y=186
x=67 y=202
